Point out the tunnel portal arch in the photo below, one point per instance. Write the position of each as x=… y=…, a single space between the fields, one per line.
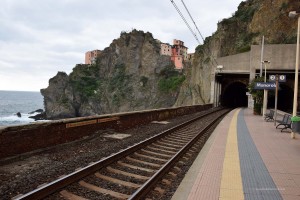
x=234 y=95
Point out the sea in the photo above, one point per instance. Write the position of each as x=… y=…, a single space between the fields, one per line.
x=12 y=102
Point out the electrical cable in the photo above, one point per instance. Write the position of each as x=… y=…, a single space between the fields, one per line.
x=187 y=24
x=194 y=34
x=198 y=30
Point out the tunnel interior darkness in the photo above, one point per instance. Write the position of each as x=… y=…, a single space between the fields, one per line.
x=285 y=98
x=235 y=95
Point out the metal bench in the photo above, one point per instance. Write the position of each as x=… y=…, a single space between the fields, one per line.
x=269 y=116
x=285 y=122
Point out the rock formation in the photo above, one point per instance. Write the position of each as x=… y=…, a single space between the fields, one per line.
x=125 y=77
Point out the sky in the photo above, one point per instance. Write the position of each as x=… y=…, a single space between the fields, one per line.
x=40 y=38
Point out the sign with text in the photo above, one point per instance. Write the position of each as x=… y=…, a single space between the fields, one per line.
x=265 y=86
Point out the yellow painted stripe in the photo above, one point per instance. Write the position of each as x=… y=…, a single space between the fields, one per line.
x=231 y=182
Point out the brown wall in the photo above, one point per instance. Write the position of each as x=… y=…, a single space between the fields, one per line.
x=16 y=140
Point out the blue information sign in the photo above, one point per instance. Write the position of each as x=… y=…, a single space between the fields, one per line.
x=265 y=86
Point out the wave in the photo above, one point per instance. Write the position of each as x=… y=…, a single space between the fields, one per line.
x=15 y=120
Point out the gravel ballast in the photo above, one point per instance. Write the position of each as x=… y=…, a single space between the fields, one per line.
x=22 y=174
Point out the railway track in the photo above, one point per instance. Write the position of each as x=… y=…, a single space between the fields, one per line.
x=142 y=171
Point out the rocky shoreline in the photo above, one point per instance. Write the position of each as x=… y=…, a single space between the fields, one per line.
x=41 y=115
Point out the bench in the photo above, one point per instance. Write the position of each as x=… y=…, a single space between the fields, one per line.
x=269 y=116
x=285 y=122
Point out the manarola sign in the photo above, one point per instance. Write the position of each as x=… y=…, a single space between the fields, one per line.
x=265 y=86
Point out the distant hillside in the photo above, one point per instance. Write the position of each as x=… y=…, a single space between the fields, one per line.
x=252 y=20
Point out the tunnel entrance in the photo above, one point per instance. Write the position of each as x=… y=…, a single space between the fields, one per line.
x=235 y=95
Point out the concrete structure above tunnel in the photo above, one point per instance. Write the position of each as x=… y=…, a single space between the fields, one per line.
x=243 y=67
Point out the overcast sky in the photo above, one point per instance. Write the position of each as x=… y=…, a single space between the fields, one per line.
x=38 y=38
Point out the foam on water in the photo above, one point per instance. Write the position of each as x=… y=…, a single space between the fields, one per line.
x=15 y=120
x=12 y=102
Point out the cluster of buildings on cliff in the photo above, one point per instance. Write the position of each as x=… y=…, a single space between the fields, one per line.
x=178 y=54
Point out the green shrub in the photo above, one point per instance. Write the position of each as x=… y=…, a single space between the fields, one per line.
x=119 y=79
x=228 y=21
x=168 y=72
x=86 y=86
x=63 y=100
x=244 y=48
x=170 y=84
x=244 y=42
x=257 y=95
x=284 y=6
x=119 y=84
x=170 y=79
x=199 y=49
x=245 y=12
x=290 y=40
x=257 y=108
x=116 y=100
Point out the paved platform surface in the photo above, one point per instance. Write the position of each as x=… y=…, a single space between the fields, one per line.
x=245 y=158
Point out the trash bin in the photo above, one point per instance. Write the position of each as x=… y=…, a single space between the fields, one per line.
x=296 y=124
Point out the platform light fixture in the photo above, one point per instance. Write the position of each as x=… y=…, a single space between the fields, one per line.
x=265 y=62
x=220 y=67
x=294 y=14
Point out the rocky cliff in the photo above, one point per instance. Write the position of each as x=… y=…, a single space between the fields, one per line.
x=129 y=75
x=252 y=20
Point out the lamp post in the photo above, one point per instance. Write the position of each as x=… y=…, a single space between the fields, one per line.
x=265 y=62
x=294 y=14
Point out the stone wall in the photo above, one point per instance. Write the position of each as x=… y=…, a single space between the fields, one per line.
x=17 y=140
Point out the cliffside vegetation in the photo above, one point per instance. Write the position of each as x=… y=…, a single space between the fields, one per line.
x=170 y=80
x=254 y=19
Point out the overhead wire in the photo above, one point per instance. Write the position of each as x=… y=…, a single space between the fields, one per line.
x=189 y=27
x=187 y=10
x=187 y=24
x=192 y=19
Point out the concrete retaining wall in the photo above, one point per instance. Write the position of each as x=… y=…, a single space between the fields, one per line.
x=239 y=63
x=16 y=140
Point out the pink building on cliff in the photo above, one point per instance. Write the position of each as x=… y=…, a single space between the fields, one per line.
x=178 y=52
x=90 y=56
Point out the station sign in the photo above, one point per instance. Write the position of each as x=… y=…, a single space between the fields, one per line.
x=265 y=86
x=281 y=78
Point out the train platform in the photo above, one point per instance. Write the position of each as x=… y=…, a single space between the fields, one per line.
x=245 y=158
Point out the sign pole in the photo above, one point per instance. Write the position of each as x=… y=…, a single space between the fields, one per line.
x=265 y=102
x=276 y=98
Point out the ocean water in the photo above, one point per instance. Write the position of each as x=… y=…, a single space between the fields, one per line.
x=12 y=102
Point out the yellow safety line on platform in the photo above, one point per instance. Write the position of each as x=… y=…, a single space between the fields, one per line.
x=231 y=182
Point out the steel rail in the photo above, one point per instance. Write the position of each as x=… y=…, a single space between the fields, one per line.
x=52 y=187
x=148 y=185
